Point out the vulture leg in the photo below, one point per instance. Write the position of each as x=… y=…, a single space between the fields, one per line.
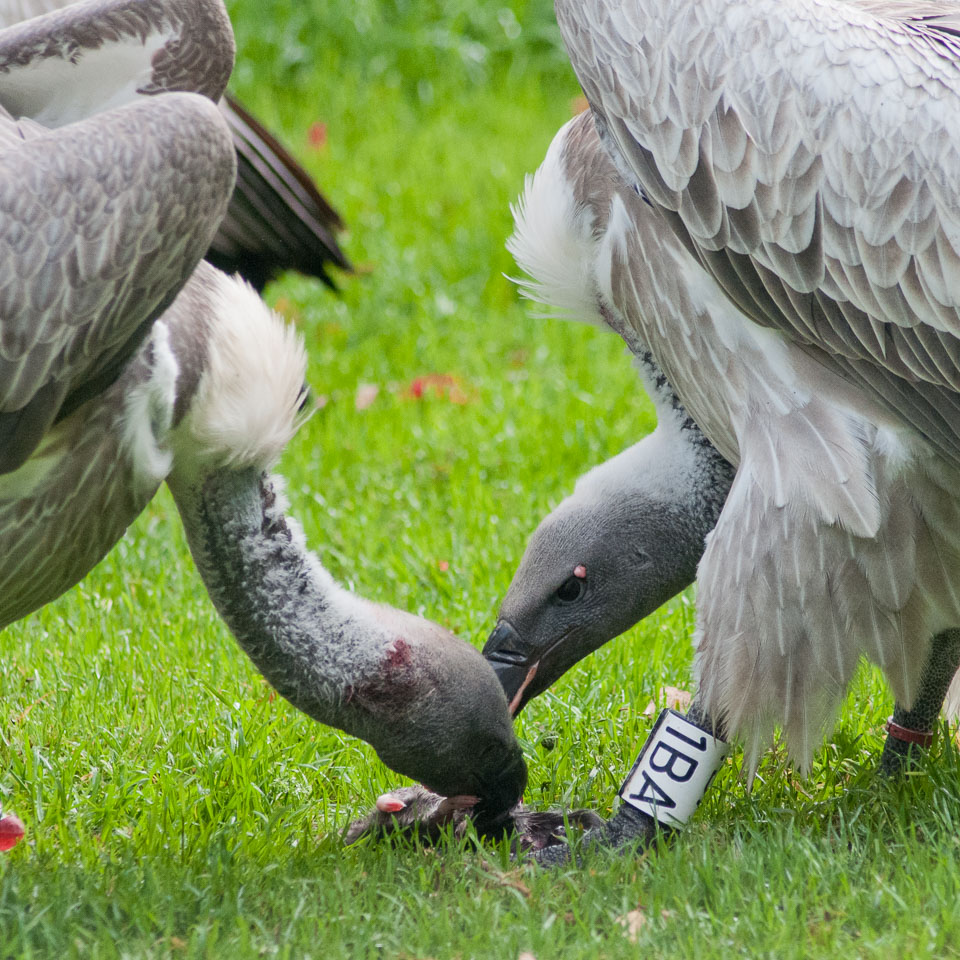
x=910 y=732
x=630 y=827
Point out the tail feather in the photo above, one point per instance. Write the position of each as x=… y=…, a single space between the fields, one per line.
x=277 y=219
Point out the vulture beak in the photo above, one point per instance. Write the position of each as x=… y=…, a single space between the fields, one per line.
x=506 y=793
x=515 y=667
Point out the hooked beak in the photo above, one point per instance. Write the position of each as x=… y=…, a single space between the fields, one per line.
x=515 y=668
x=507 y=792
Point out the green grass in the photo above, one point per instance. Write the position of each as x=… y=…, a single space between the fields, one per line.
x=175 y=808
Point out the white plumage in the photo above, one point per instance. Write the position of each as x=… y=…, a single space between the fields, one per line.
x=794 y=270
x=246 y=407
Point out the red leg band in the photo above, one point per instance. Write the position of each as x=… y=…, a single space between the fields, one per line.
x=922 y=738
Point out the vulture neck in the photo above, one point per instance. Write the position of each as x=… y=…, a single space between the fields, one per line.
x=310 y=638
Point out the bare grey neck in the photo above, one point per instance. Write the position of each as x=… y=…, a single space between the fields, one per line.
x=313 y=641
x=703 y=489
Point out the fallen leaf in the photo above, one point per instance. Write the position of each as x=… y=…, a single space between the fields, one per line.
x=511 y=880
x=366 y=394
x=317 y=135
x=672 y=697
x=442 y=385
x=632 y=924
x=11 y=831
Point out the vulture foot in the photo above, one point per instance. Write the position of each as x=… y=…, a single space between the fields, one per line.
x=671 y=775
x=627 y=831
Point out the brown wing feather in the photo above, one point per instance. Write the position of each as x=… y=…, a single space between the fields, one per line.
x=277 y=219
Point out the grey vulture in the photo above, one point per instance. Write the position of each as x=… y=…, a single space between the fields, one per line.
x=125 y=362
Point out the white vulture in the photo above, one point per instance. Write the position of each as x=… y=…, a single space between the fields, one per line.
x=632 y=533
x=276 y=220
x=778 y=224
x=124 y=364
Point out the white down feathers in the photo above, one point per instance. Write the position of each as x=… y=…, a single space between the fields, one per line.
x=248 y=403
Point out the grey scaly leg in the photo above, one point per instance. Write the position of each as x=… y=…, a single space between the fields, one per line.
x=630 y=826
x=910 y=732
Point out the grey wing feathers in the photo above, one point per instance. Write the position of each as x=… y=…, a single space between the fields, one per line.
x=277 y=219
x=64 y=510
x=98 y=54
x=816 y=177
x=101 y=223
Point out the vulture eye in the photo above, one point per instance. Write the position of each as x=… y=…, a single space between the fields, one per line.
x=570 y=590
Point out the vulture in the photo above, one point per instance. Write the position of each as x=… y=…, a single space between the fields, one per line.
x=277 y=219
x=765 y=196
x=126 y=361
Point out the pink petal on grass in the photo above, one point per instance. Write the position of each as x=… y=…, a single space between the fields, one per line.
x=366 y=394
x=317 y=135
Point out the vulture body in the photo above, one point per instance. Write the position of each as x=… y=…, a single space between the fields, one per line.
x=763 y=199
x=781 y=244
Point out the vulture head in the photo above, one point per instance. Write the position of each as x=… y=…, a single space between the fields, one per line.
x=628 y=539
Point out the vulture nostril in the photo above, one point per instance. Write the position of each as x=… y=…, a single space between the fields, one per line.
x=511 y=657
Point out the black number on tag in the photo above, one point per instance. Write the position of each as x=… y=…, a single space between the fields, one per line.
x=673 y=762
x=649 y=792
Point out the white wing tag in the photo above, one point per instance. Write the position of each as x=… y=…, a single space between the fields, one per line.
x=674 y=769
